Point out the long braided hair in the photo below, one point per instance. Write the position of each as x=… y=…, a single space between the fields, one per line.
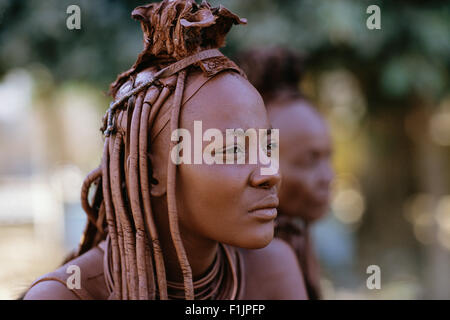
x=179 y=36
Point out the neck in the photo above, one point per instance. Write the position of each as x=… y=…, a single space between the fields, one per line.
x=200 y=252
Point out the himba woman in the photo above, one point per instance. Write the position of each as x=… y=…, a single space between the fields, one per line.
x=158 y=230
x=305 y=152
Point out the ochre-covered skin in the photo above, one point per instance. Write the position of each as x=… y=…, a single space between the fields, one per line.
x=305 y=152
x=173 y=231
x=305 y=148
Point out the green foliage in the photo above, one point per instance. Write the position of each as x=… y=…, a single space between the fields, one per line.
x=409 y=56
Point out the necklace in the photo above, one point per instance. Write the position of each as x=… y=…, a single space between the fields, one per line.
x=220 y=283
x=224 y=280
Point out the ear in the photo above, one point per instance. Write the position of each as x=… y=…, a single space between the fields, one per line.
x=158 y=157
x=158 y=178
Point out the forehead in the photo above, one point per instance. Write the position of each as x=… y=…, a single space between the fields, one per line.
x=227 y=101
x=297 y=116
x=300 y=124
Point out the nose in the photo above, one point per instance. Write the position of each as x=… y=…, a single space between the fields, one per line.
x=258 y=180
x=327 y=174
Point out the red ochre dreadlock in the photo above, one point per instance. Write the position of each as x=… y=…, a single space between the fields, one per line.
x=178 y=35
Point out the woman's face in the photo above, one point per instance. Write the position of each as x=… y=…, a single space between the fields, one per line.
x=230 y=203
x=305 y=160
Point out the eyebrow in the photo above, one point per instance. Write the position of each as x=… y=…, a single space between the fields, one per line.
x=241 y=133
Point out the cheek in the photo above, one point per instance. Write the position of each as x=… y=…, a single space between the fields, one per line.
x=294 y=183
x=296 y=191
x=214 y=204
x=211 y=196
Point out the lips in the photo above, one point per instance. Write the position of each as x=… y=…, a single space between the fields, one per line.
x=266 y=209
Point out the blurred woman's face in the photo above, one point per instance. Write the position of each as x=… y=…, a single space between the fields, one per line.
x=229 y=203
x=305 y=160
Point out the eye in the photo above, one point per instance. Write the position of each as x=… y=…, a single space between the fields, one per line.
x=307 y=161
x=270 y=147
x=233 y=150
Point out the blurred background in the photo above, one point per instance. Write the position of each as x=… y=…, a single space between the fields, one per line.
x=384 y=92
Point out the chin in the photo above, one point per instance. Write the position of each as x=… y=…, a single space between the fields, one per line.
x=258 y=238
x=315 y=214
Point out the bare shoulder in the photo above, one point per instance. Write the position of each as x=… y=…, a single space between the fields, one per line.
x=276 y=267
x=54 y=284
x=50 y=290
